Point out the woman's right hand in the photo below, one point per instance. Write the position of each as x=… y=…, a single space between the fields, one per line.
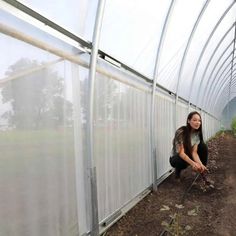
x=196 y=167
x=203 y=168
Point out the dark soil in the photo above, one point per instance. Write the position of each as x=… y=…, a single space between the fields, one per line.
x=207 y=211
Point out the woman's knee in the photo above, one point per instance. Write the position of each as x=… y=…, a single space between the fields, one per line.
x=178 y=162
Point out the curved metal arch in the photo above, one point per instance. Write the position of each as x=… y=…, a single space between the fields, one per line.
x=232 y=68
x=188 y=44
x=220 y=85
x=232 y=84
x=209 y=61
x=90 y=160
x=215 y=81
x=205 y=46
x=226 y=79
x=232 y=64
x=215 y=66
x=155 y=76
x=224 y=83
x=219 y=110
x=221 y=103
x=217 y=90
x=222 y=71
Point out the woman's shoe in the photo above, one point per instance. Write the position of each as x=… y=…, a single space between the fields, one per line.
x=177 y=173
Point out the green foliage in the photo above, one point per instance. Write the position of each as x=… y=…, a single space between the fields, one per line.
x=35 y=97
x=217 y=134
x=233 y=125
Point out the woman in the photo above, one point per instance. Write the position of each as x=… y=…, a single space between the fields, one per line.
x=189 y=147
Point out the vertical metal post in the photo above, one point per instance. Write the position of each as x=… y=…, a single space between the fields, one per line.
x=90 y=133
x=155 y=76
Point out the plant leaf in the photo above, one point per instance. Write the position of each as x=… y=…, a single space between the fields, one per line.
x=188 y=227
x=165 y=208
x=179 y=206
x=173 y=216
x=192 y=212
x=164 y=223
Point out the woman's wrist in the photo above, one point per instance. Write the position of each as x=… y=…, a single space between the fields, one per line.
x=193 y=163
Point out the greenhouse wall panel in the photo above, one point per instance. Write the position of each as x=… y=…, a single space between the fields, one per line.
x=164 y=132
x=122 y=146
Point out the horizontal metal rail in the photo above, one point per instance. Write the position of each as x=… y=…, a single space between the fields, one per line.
x=12 y=32
x=47 y=22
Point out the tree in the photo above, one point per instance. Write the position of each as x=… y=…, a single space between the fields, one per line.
x=36 y=98
x=105 y=98
x=233 y=125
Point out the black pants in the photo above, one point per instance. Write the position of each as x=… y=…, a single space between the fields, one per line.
x=178 y=163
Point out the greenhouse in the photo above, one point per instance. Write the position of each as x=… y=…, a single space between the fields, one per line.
x=92 y=93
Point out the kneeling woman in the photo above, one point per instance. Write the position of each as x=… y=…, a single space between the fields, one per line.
x=189 y=147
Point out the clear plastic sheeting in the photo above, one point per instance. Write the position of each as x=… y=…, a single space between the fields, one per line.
x=220 y=41
x=206 y=37
x=165 y=129
x=180 y=24
x=27 y=32
x=43 y=182
x=15 y=62
x=122 y=145
x=228 y=94
x=224 y=93
x=131 y=32
x=77 y=16
x=196 y=35
x=38 y=184
x=82 y=141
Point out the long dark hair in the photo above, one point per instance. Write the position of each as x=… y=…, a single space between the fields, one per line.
x=187 y=131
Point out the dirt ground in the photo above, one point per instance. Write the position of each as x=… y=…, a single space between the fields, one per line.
x=207 y=211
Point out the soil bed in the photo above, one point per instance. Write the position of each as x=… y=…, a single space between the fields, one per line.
x=207 y=211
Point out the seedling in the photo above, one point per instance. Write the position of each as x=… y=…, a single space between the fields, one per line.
x=174 y=227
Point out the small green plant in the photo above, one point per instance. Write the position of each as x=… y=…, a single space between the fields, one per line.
x=233 y=125
x=175 y=228
x=220 y=133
